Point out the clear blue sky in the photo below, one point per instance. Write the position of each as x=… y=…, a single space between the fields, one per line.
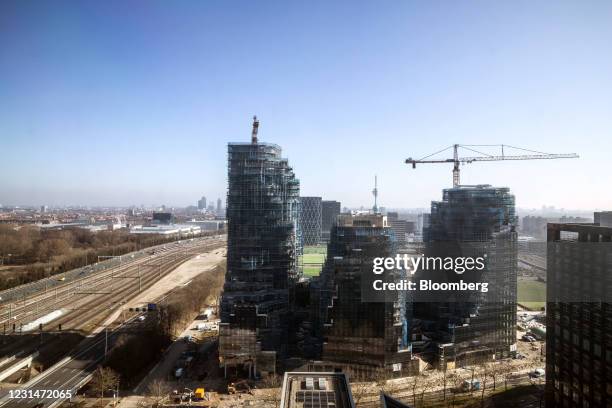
x=130 y=102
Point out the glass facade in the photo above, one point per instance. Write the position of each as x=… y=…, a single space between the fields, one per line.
x=262 y=247
x=472 y=221
x=365 y=339
x=310 y=220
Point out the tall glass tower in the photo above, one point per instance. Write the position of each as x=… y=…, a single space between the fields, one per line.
x=472 y=221
x=262 y=216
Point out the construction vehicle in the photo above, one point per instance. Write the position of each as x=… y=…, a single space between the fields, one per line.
x=456 y=160
x=199 y=393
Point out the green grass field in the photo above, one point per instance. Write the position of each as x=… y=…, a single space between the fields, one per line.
x=313 y=259
x=532 y=294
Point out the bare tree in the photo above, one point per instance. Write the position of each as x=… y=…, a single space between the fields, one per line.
x=507 y=365
x=414 y=384
x=453 y=379
x=359 y=390
x=390 y=387
x=427 y=385
x=273 y=383
x=485 y=375
x=103 y=379
x=158 y=390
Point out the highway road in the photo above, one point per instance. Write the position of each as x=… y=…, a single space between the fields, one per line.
x=68 y=375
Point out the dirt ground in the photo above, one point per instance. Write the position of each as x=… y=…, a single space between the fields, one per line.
x=200 y=263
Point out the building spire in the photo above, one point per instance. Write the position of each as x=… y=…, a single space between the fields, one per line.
x=255 y=128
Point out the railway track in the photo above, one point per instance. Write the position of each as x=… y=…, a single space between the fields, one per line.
x=89 y=311
x=82 y=321
x=17 y=310
x=18 y=314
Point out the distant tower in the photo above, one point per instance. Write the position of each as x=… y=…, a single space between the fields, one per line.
x=202 y=203
x=219 y=203
x=375 y=192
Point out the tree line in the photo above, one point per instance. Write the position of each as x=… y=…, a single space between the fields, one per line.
x=37 y=253
x=135 y=353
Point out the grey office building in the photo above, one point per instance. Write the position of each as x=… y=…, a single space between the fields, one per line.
x=310 y=220
x=579 y=316
x=329 y=215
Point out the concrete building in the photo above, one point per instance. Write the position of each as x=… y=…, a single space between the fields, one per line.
x=603 y=218
x=367 y=339
x=316 y=390
x=401 y=228
x=330 y=210
x=535 y=226
x=179 y=230
x=209 y=225
x=579 y=316
x=219 y=206
x=202 y=203
x=162 y=217
x=468 y=327
x=422 y=222
x=262 y=216
x=310 y=220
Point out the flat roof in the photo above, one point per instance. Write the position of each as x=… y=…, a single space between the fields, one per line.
x=316 y=390
x=163 y=229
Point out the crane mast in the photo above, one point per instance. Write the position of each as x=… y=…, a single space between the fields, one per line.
x=456 y=160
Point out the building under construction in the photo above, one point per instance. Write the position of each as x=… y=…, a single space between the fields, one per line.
x=262 y=245
x=366 y=339
x=466 y=327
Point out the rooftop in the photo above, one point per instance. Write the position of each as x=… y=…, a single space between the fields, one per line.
x=316 y=390
x=362 y=220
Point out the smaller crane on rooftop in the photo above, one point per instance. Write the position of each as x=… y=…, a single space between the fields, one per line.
x=456 y=160
x=255 y=129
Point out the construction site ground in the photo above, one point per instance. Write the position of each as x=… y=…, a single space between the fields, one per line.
x=180 y=276
x=205 y=373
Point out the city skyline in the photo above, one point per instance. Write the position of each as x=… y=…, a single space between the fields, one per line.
x=103 y=107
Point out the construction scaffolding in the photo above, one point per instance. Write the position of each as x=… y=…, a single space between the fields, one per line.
x=262 y=248
x=472 y=221
x=364 y=338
